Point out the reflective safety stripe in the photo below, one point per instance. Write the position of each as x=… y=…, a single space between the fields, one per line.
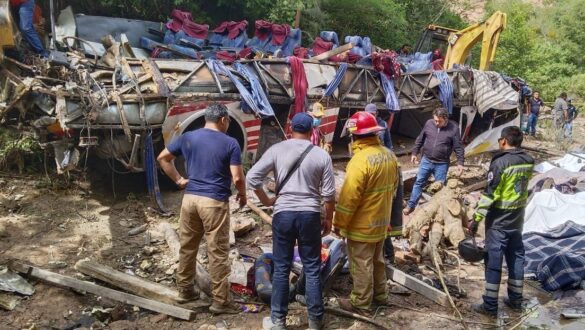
x=383 y=189
x=516 y=282
x=482 y=212
x=490 y=286
x=342 y=209
x=491 y=294
x=516 y=169
x=517 y=204
x=484 y=201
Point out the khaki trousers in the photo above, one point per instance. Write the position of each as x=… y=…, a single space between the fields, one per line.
x=367 y=268
x=205 y=216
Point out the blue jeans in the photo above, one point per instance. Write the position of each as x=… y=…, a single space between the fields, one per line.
x=289 y=227
x=569 y=130
x=425 y=169
x=500 y=244
x=25 y=24
x=532 y=120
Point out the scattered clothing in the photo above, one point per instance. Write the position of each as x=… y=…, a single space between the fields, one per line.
x=445 y=90
x=300 y=84
x=232 y=29
x=321 y=46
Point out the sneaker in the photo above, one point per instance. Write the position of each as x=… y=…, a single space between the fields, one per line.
x=407 y=210
x=315 y=324
x=267 y=324
x=480 y=308
x=346 y=305
x=188 y=294
x=229 y=308
x=515 y=305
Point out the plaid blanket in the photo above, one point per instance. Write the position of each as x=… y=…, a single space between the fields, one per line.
x=557 y=257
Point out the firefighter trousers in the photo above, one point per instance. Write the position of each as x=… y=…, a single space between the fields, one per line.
x=503 y=244
x=367 y=268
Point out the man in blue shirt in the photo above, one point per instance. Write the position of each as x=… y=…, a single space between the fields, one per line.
x=533 y=110
x=212 y=161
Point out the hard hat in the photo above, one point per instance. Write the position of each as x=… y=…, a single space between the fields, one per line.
x=470 y=251
x=317 y=110
x=362 y=123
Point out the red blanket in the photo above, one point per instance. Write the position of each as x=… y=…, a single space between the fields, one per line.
x=263 y=29
x=279 y=33
x=321 y=46
x=300 y=83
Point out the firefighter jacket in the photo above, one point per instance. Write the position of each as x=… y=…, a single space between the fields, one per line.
x=503 y=201
x=363 y=211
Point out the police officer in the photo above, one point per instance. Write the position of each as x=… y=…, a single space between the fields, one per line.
x=502 y=206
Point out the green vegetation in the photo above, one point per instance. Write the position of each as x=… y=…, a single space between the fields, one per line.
x=17 y=148
x=543 y=44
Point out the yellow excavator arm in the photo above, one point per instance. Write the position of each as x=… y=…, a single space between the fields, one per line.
x=461 y=42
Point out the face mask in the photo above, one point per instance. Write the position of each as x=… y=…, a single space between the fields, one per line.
x=316 y=122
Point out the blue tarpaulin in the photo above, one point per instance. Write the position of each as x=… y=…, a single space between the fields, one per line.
x=333 y=84
x=392 y=103
x=445 y=90
x=257 y=100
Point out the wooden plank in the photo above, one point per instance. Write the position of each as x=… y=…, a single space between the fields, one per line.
x=260 y=213
x=417 y=286
x=69 y=282
x=8 y=301
x=133 y=284
x=333 y=52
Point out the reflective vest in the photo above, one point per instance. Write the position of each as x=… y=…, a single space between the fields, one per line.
x=504 y=199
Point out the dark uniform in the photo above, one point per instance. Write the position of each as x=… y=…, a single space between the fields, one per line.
x=502 y=206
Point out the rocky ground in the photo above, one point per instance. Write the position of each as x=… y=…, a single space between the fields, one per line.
x=53 y=222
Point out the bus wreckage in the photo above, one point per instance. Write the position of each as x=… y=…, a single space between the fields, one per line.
x=123 y=106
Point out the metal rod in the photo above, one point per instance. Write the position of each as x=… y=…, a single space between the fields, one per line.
x=53 y=33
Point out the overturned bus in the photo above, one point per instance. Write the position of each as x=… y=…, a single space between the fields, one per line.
x=109 y=96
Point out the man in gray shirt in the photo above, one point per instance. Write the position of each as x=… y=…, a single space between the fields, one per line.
x=560 y=110
x=297 y=215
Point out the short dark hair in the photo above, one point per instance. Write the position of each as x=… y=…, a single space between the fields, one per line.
x=215 y=112
x=513 y=136
x=405 y=45
x=441 y=112
x=563 y=94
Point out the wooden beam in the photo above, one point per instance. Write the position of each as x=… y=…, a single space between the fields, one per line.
x=133 y=284
x=262 y=214
x=417 y=286
x=69 y=282
x=333 y=52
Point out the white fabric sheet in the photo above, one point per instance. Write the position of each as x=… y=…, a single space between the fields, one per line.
x=549 y=208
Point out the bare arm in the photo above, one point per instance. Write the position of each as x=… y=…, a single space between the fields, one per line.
x=166 y=161
x=240 y=183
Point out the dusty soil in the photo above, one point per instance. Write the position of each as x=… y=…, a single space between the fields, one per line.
x=44 y=221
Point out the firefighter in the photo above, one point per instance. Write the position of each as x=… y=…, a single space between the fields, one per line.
x=502 y=206
x=363 y=212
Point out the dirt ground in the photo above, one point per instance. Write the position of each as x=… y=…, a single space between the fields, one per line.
x=54 y=222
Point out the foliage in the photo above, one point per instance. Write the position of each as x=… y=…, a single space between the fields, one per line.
x=16 y=148
x=544 y=44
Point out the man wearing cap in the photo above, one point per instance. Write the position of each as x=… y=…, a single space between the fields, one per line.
x=304 y=177
x=396 y=222
x=437 y=140
x=362 y=214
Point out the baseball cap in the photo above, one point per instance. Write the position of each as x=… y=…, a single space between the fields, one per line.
x=302 y=122
x=371 y=108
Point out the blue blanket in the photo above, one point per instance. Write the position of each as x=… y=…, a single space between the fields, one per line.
x=557 y=257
